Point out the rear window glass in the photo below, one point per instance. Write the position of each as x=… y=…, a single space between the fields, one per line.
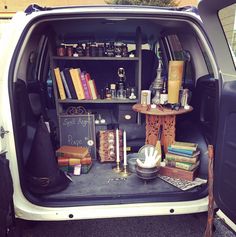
x=228 y=20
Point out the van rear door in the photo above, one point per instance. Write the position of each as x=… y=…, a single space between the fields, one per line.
x=219 y=19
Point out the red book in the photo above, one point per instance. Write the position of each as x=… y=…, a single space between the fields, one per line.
x=87 y=79
x=85 y=86
x=72 y=152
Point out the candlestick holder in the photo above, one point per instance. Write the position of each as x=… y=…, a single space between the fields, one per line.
x=125 y=172
x=117 y=168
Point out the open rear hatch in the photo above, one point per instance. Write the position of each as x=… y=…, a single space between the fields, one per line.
x=35 y=95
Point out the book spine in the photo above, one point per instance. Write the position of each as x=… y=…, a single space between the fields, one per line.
x=184 y=146
x=77 y=83
x=81 y=89
x=183 y=151
x=87 y=78
x=62 y=161
x=69 y=155
x=92 y=88
x=60 y=84
x=180 y=165
x=65 y=85
x=172 y=157
x=70 y=84
x=85 y=86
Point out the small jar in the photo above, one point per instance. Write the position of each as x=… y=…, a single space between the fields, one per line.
x=100 y=50
x=80 y=50
x=69 y=51
x=125 y=50
x=87 y=50
x=110 y=51
x=93 y=50
x=118 y=49
x=61 y=51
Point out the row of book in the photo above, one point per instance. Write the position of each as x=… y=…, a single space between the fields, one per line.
x=183 y=155
x=75 y=160
x=73 y=83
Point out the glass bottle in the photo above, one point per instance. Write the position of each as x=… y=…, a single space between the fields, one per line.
x=164 y=93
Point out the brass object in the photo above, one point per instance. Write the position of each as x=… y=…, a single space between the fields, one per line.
x=117 y=168
x=124 y=172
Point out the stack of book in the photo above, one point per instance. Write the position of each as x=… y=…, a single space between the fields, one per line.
x=75 y=160
x=73 y=83
x=182 y=160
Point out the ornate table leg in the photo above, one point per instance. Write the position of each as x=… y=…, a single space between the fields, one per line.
x=153 y=123
x=152 y=127
x=168 y=134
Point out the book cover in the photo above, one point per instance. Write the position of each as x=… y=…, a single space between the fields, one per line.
x=70 y=84
x=182 y=165
x=68 y=161
x=173 y=157
x=60 y=86
x=81 y=89
x=87 y=78
x=77 y=83
x=68 y=94
x=185 y=146
x=72 y=152
x=85 y=86
x=92 y=89
x=183 y=152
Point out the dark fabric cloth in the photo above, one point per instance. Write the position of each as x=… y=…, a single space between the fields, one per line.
x=42 y=172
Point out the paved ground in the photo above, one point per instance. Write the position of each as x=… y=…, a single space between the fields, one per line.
x=164 y=226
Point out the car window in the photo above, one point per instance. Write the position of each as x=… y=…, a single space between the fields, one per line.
x=179 y=53
x=228 y=20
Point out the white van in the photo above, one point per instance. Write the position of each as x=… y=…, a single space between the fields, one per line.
x=39 y=41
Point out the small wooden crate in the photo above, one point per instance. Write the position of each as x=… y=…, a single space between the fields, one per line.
x=178 y=173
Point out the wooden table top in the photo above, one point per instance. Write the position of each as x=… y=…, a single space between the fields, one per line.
x=160 y=110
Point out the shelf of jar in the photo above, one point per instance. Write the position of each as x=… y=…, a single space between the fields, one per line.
x=96 y=58
x=98 y=101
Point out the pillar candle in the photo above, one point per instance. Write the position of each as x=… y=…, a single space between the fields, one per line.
x=124 y=142
x=117 y=146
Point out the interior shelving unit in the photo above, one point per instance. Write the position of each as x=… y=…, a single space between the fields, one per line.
x=103 y=70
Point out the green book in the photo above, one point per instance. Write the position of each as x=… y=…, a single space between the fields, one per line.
x=185 y=146
x=182 y=165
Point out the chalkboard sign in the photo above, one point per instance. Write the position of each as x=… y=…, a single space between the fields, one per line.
x=78 y=130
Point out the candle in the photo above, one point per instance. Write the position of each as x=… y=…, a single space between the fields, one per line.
x=117 y=146
x=124 y=142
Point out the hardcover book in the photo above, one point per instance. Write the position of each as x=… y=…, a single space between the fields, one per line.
x=72 y=152
x=60 y=86
x=173 y=157
x=65 y=85
x=77 y=83
x=93 y=89
x=85 y=86
x=65 y=161
x=182 y=165
x=70 y=84
x=183 y=152
x=185 y=145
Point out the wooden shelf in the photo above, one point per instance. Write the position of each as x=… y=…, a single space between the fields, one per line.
x=97 y=58
x=98 y=101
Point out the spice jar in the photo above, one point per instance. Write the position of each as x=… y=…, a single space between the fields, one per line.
x=61 y=51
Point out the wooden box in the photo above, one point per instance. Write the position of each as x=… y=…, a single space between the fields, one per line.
x=178 y=173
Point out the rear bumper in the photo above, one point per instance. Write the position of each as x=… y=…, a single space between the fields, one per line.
x=38 y=213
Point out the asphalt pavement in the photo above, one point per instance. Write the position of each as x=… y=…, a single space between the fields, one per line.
x=159 y=226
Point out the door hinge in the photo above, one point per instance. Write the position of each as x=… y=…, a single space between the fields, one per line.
x=3 y=132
